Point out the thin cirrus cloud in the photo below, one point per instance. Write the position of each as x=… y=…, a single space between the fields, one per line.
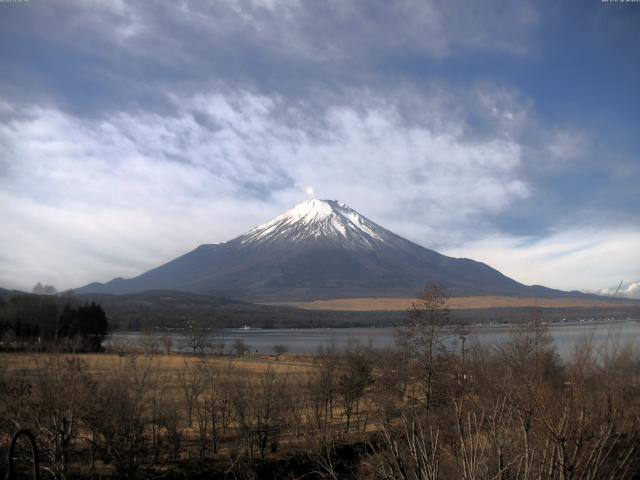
x=318 y=30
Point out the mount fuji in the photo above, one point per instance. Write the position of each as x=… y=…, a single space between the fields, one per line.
x=320 y=249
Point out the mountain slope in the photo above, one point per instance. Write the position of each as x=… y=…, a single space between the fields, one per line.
x=319 y=249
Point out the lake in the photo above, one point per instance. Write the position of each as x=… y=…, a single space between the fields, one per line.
x=307 y=341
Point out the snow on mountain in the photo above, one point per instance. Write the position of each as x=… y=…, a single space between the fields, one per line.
x=320 y=249
x=319 y=220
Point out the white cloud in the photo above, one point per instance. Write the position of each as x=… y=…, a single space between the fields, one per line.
x=633 y=290
x=91 y=199
x=629 y=290
x=574 y=259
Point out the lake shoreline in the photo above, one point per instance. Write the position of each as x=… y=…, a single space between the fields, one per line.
x=309 y=340
x=471 y=327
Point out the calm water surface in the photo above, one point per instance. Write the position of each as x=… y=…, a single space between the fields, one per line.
x=306 y=341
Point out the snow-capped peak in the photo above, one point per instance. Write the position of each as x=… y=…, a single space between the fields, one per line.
x=318 y=219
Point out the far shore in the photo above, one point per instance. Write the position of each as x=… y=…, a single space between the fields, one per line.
x=456 y=303
x=484 y=327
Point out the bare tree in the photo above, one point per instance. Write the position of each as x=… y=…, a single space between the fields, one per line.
x=421 y=337
x=189 y=380
x=167 y=343
x=150 y=342
x=389 y=386
x=410 y=451
x=61 y=389
x=240 y=347
x=40 y=289
x=202 y=405
x=321 y=387
x=260 y=409
x=279 y=350
x=217 y=341
x=210 y=404
x=354 y=376
x=119 y=416
x=198 y=339
x=217 y=400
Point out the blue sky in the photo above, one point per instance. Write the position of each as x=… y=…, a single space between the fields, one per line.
x=130 y=132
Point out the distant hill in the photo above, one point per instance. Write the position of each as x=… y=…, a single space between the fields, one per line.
x=162 y=309
x=321 y=249
x=175 y=309
x=5 y=294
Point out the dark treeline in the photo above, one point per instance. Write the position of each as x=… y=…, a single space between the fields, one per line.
x=46 y=322
x=173 y=309
x=177 y=310
x=419 y=411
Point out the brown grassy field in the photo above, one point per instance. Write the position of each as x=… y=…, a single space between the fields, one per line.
x=171 y=364
x=138 y=416
x=454 y=303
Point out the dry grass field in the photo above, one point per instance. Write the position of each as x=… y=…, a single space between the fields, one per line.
x=172 y=365
x=355 y=414
x=171 y=400
x=454 y=303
